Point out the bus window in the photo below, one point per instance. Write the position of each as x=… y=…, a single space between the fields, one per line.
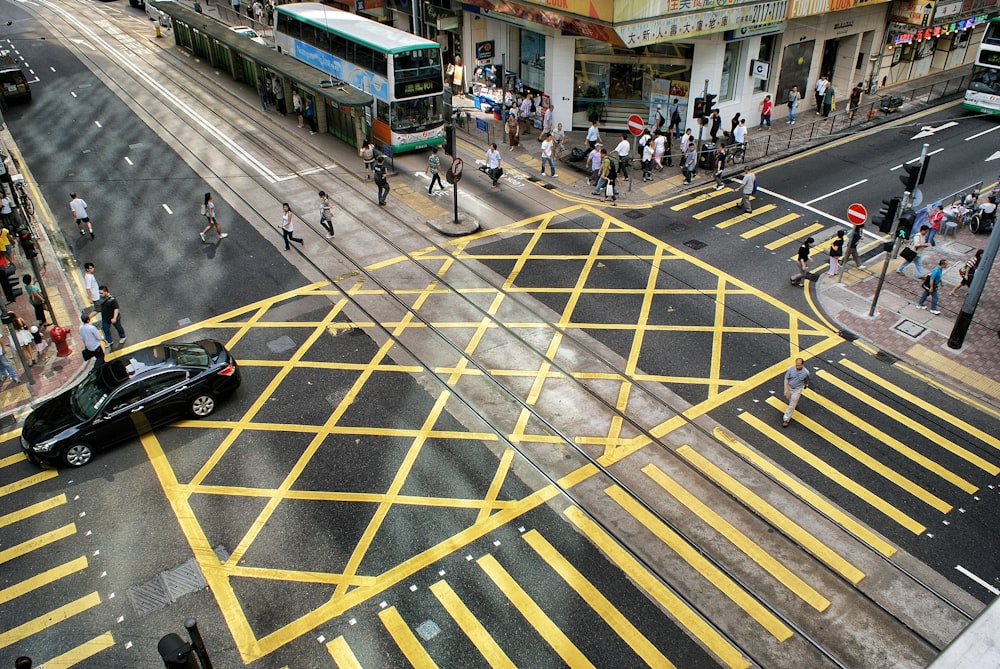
x=417 y=115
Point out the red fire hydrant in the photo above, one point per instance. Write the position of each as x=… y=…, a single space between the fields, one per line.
x=58 y=336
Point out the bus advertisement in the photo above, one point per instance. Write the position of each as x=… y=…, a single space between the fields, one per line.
x=401 y=71
x=983 y=93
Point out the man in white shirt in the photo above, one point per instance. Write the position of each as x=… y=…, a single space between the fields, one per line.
x=820 y=92
x=547 y=146
x=90 y=282
x=493 y=164
x=624 y=153
x=79 y=209
x=593 y=135
x=740 y=133
x=685 y=140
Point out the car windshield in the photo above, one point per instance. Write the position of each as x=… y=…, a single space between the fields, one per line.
x=89 y=396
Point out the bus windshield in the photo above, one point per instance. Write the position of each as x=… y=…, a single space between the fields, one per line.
x=418 y=114
x=986 y=79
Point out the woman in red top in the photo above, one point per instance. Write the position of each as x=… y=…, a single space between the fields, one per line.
x=765 y=112
x=934 y=222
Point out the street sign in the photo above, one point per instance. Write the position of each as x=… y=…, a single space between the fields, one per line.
x=635 y=124
x=857 y=214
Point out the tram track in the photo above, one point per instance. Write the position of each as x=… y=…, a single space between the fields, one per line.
x=262 y=143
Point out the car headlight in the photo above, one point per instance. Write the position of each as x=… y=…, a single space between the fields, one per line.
x=44 y=446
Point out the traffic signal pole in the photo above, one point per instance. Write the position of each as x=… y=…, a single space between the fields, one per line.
x=903 y=205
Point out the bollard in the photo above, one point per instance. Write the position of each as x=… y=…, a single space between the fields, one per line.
x=196 y=641
x=175 y=652
x=58 y=335
x=158 y=33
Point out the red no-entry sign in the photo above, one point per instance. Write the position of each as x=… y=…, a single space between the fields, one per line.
x=635 y=124
x=857 y=214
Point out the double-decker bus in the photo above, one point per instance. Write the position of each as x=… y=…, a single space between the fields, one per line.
x=401 y=71
x=983 y=93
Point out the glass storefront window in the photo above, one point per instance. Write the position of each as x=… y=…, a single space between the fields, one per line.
x=766 y=54
x=608 y=72
x=533 y=60
x=730 y=71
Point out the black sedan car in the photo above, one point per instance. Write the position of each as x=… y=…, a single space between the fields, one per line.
x=129 y=396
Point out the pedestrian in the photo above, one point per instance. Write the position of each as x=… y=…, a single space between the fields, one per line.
x=236 y=6
x=594 y=164
x=740 y=133
x=855 y=99
x=111 y=317
x=513 y=132
x=803 y=261
x=820 y=89
x=657 y=120
x=311 y=115
x=675 y=118
x=558 y=139
x=279 y=96
x=930 y=285
x=93 y=345
x=367 y=153
x=719 y=161
x=602 y=175
x=686 y=139
x=90 y=283
x=7 y=270
x=434 y=169
x=380 y=176
x=593 y=135
x=934 y=219
x=967 y=271
x=796 y=380
x=836 y=253
x=22 y=334
x=6 y=219
x=326 y=213
x=715 y=119
x=793 y=104
x=37 y=299
x=527 y=107
x=659 y=149
x=829 y=100
x=747 y=186
x=624 y=153
x=262 y=92
x=852 y=246
x=38 y=341
x=208 y=211
x=611 y=187
x=79 y=209
x=547 y=148
x=765 y=112
x=734 y=123
x=690 y=162
x=547 y=120
x=297 y=105
x=493 y=164
x=6 y=245
x=7 y=371
x=288 y=227
x=647 y=161
x=917 y=244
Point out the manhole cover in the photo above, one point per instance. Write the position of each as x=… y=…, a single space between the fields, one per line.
x=695 y=244
x=910 y=329
x=679 y=227
x=634 y=213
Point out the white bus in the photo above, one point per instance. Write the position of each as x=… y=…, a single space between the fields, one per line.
x=983 y=94
x=401 y=71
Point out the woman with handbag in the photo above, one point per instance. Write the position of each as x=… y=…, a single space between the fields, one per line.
x=967 y=271
x=836 y=253
x=37 y=299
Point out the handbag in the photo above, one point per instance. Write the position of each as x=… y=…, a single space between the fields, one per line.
x=908 y=254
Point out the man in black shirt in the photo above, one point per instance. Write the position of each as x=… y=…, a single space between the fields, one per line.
x=110 y=315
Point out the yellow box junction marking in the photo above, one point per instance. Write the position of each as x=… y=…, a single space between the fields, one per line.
x=674 y=605
x=46 y=620
x=34 y=544
x=833 y=474
x=84 y=651
x=33 y=510
x=868 y=461
x=468 y=623
x=788 y=526
x=533 y=613
x=342 y=654
x=702 y=565
x=42 y=579
x=601 y=605
x=404 y=638
x=748 y=547
x=28 y=481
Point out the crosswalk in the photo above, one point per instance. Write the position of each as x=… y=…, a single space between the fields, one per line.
x=49 y=594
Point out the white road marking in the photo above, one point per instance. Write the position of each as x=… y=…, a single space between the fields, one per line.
x=167 y=209
x=915 y=160
x=996 y=154
x=98 y=124
x=73 y=93
x=928 y=131
x=840 y=190
x=127 y=160
x=977 y=579
x=980 y=134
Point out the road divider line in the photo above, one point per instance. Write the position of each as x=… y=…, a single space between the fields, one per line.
x=664 y=596
x=711 y=573
x=470 y=625
x=601 y=605
x=895 y=444
x=869 y=461
x=33 y=510
x=770 y=225
x=738 y=539
x=764 y=509
x=798 y=235
x=342 y=654
x=533 y=613
x=805 y=494
x=831 y=194
x=835 y=475
x=40 y=541
x=42 y=579
x=84 y=651
x=928 y=407
x=46 y=620
x=404 y=638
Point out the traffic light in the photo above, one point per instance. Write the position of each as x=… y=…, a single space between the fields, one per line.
x=699 y=110
x=27 y=243
x=888 y=214
x=915 y=174
x=906 y=219
x=709 y=101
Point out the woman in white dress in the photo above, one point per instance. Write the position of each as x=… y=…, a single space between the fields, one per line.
x=659 y=148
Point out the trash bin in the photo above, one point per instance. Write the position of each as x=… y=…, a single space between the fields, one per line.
x=705 y=157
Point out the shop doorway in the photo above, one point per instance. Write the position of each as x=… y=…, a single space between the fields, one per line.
x=796 y=59
x=829 y=63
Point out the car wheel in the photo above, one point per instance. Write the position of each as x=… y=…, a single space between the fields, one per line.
x=78 y=455
x=202 y=405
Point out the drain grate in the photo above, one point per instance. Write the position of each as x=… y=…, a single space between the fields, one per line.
x=169 y=586
x=887 y=358
x=634 y=214
x=549 y=186
x=695 y=244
